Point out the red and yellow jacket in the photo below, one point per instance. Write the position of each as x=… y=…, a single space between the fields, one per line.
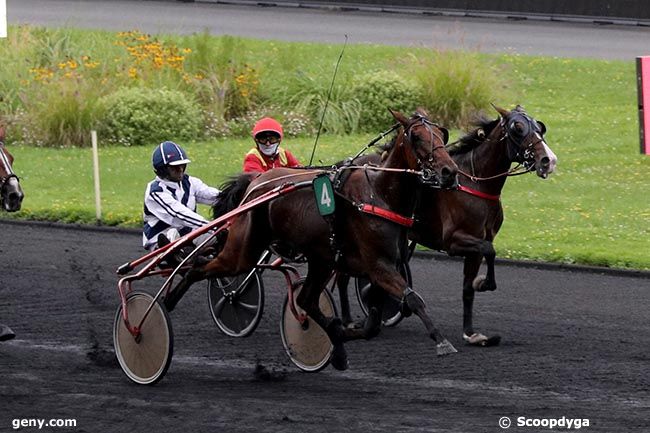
x=258 y=162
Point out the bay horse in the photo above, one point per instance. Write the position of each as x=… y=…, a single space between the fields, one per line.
x=465 y=222
x=366 y=236
x=11 y=194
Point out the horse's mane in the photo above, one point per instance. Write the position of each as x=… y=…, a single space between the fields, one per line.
x=232 y=192
x=483 y=128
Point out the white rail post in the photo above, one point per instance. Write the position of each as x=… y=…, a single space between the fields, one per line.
x=98 y=200
x=3 y=18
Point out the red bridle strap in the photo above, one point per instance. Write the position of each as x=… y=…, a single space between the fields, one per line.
x=478 y=193
x=386 y=214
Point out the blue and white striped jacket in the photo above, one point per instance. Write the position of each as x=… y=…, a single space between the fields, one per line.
x=169 y=204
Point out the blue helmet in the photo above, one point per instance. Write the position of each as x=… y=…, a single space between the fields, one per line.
x=167 y=153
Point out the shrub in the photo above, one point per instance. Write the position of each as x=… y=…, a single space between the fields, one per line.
x=137 y=116
x=378 y=91
x=454 y=85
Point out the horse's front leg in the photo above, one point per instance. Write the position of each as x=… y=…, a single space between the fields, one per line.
x=474 y=250
x=309 y=298
x=483 y=283
x=465 y=245
x=389 y=279
x=342 y=281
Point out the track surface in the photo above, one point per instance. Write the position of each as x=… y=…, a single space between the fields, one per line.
x=575 y=344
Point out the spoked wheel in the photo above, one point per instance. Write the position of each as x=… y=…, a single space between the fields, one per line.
x=391 y=314
x=145 y=359
x=307 y=344
x=236 y=303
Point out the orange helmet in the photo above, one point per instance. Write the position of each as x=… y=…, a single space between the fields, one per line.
x=268 y=124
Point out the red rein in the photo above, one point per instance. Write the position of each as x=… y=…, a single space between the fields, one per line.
x=478 y=193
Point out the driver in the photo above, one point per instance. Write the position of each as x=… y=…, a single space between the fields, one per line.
x=267 y=153
x=170 y=199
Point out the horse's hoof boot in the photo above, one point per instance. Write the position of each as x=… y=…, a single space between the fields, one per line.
x=6 y=333
x=445 y=348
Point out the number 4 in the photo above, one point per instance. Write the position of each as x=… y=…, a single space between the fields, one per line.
x=325 y=196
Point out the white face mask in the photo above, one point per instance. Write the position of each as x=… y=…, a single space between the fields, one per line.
x=268 y=149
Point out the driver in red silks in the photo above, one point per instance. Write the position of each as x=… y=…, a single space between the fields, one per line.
x=267 y=153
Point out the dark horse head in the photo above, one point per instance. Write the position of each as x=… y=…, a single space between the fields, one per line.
x=422 y=144
x=11 y=194
x=525 y=138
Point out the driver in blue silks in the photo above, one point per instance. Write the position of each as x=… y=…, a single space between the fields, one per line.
x=170 y=199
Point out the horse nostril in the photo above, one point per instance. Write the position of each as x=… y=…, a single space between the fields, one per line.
x=545 y=162
x=15 y=197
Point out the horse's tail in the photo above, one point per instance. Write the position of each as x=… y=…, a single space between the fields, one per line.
x=232 y=193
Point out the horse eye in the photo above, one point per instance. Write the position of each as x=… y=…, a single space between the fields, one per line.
x=519 y=128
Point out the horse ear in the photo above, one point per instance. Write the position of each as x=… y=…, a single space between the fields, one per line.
x=503 y=113
x=2 y=133
x=542 y=127
x=399 y=117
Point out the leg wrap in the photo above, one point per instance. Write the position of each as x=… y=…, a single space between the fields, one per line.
x=411 y=302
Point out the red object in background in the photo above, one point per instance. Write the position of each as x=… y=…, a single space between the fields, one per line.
x=643 y=82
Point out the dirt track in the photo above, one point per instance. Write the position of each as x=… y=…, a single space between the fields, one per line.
x=575 y=345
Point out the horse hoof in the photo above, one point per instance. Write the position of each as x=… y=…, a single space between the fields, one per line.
x=339 y=359
x=478 y=283
x=478 y=339
x=6 y=333
x=373 y=324
x=335 y=329
x=445 y=348
x=353 y=325
x=481 y=284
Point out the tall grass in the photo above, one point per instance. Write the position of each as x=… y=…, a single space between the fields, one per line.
x=232 y=78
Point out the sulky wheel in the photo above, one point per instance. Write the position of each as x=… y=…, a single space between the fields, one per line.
x=391 y=314
x=307 y=344
x=145 y=359
x=236 y=303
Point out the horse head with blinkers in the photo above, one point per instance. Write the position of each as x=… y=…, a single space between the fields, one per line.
x=525 y=141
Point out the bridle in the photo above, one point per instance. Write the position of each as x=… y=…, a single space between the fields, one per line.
x=524 y=156
x=427 y=176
